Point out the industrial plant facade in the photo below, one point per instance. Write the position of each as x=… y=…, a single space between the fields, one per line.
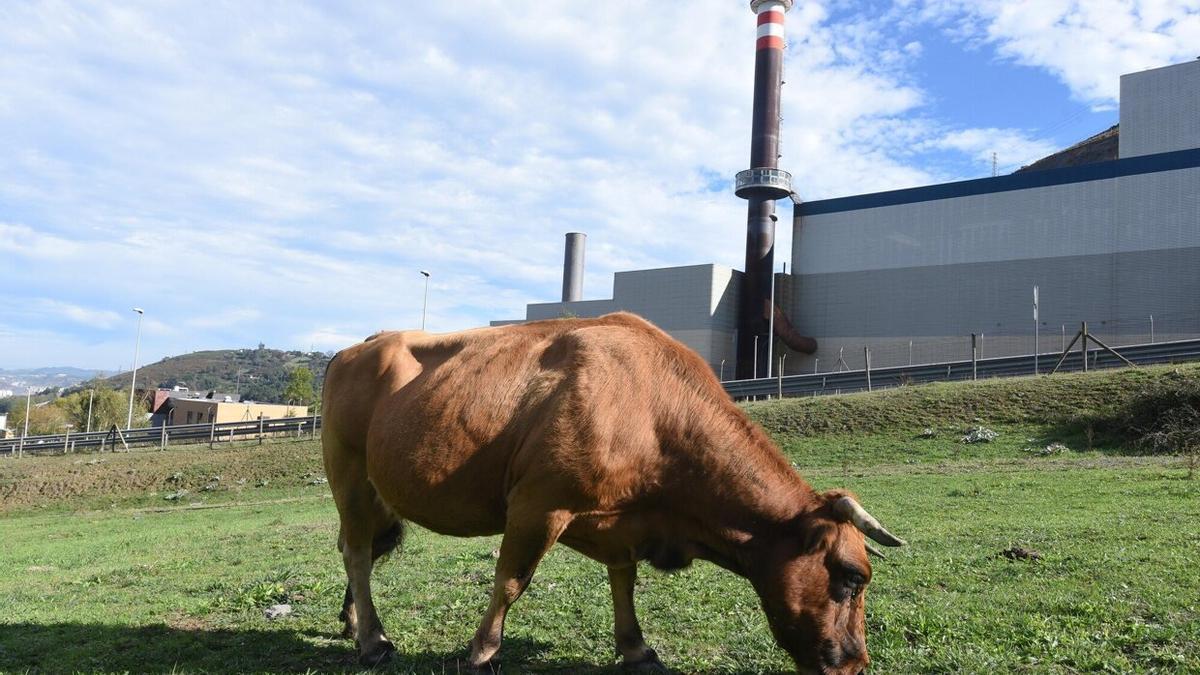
x=1111 y=243
x=697 y=304
x=912 y=274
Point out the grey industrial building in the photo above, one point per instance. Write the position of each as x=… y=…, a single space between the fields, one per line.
x=1111 y=242
x=913 y=273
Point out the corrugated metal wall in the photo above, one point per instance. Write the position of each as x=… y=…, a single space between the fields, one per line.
x=1112 y=252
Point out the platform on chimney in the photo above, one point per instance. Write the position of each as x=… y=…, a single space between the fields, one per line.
x=763 y=183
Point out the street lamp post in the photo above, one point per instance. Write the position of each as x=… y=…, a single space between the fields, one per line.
x=425 y=303
x=133 y=381
x=28 y=401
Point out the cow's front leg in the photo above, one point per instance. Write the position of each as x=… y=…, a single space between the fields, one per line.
x=634 y=652
x=526 y=540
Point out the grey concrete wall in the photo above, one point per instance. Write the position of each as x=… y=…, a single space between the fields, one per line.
x=696 y=304
x=1132 y=213
x=1111 y=252
x=1160 y=110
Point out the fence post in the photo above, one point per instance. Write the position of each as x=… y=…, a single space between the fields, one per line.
x=974 y=357
x=1083 y=345
x=162 y=440
x=314 y=427
x=260 y=429
x=1151 y=329
x=867 y=359
x=780 y=380
x=212 y=432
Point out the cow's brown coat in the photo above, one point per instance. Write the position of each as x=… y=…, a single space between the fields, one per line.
x=604 y=434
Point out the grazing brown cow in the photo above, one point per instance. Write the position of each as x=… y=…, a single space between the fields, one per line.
x=605 y=434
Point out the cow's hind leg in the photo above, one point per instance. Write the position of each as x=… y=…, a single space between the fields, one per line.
x=526 y=540
x=364 y=519
x=356 y=543
x=631 y=645
x=384 y=543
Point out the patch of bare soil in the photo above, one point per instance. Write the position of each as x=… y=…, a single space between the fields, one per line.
x=33 y=481
x=1019 y=553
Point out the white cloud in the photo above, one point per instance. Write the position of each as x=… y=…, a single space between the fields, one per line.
x=225 y=317
x=1088 y=44
x=24 y=241
x=96 y=318
x=1012 y=147
x=283 y=177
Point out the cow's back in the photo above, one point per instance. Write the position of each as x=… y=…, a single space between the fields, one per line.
x=450 y=425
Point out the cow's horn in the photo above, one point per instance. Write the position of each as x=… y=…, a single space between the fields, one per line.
x=849 y=509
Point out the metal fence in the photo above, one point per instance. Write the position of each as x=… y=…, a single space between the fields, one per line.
x=864 y=379
x=790 y=385
x=993 y=339
x=162 y=436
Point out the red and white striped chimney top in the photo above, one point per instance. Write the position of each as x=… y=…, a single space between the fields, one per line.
x=770 y=21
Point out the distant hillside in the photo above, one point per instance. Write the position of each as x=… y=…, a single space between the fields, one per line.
x=1099 y=148
x=40 y=378
x=264 y=372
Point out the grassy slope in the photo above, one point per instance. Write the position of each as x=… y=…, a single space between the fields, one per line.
x=118 y=586
x=1042 y=401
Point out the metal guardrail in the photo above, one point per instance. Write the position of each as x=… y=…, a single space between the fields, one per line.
x=1004 y=366
x=792 y=385
x=163 y=436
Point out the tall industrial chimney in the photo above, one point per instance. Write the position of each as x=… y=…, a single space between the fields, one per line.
x=762 y=184
x=573 y=267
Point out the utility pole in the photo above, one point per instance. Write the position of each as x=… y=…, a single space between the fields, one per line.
x=771 y=325
x=425 y=303
x=1035 y=330
x=756 y=337
x=91 y=395
x=133 y=381
x=28 y=409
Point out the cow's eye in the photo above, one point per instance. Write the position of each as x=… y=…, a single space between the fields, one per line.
x=854 y=583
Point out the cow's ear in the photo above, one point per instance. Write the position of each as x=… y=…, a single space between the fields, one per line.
x=832 y=496
x=815 y=535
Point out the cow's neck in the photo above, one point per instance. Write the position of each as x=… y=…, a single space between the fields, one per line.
x=742 y=491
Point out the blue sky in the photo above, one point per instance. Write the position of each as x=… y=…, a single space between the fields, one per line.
x=279 y=172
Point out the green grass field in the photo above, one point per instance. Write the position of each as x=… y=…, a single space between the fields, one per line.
x=99 y=571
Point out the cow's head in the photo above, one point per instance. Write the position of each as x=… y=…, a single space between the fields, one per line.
x=813 y=585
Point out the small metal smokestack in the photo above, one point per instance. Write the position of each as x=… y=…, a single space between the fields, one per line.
x=573 y=267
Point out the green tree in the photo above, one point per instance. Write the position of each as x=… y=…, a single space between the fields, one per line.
x=109 y=407
x=299 y=390
x=44 y=418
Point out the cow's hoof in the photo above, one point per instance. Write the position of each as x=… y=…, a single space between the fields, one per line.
x=484 y=668
x=649 y=663
x=378 y=655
